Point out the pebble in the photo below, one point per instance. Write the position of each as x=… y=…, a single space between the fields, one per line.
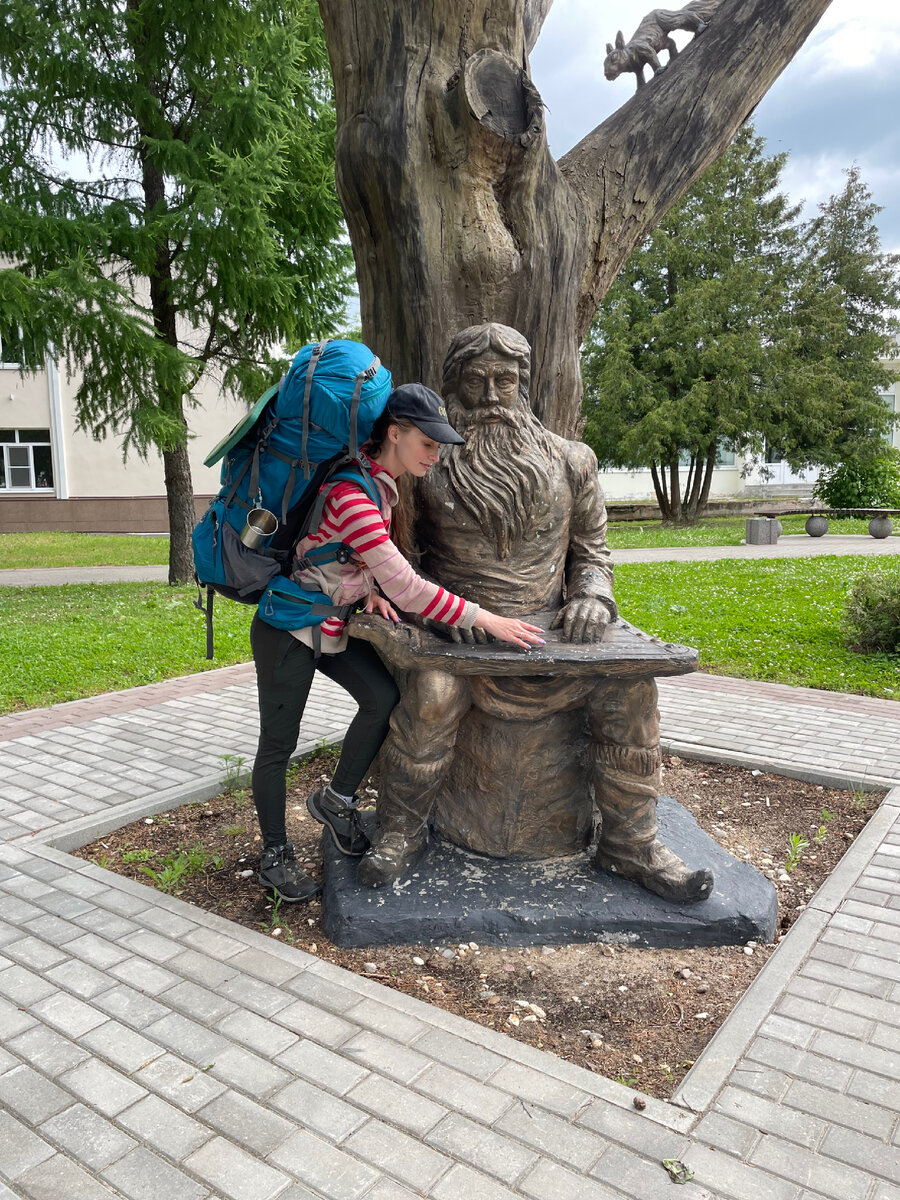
x=683 y=973
x=148 y=820
x=486 y=995
x=370 y=967
x=447 y=953
x=639 y=1103
x=245 y=874
x=548 y=949
x=703 y=989
x=748 y=950
x=701 y=1016
x=418 y=962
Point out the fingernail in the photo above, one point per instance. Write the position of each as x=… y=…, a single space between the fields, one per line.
x=541 y=642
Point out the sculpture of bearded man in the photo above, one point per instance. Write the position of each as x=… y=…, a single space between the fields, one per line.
x=515 y=520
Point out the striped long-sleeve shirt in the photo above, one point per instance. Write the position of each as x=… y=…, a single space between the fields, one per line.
x=349 y=516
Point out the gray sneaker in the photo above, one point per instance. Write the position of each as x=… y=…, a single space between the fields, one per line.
x=278 y=871
x=340 y=819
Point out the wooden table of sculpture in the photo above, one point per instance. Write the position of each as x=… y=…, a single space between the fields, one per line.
x=506 y=752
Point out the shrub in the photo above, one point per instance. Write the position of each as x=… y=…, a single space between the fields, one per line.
x=872 y=484
x=872 y=613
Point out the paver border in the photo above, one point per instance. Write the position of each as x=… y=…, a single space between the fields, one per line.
x=700 y=1086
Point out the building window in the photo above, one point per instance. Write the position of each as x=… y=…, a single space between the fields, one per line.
x=26 y=460
x=13 y=352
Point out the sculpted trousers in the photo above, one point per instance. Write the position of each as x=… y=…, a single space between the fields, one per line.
x=623 y=723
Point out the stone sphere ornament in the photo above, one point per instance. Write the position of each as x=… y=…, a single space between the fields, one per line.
x=881 y=527
x=816 y=526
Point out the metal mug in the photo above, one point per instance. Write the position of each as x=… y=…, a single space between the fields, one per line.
x=259 y=528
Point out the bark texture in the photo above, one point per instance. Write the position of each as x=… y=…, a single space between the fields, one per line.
x=457 y=211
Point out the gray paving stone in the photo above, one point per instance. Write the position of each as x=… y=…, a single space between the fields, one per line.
x=849 y=1146
x=24 y=987
x=370 y=1049
x=102 y=1086
x=133 y=1008
x=397 y=1104
x=242 y=1069
x=68 y=1014
x=143 y=1175
x=385 y=1019
x=397 y=1154
x=234 y=1173
x=727 y=1176
x=60 y=1177
x=97 y=951
x=329 y=1070
x=384 y=1189
x=845 y=978
x=325 y=1168
x=47 y=1050
x=843 y=1110
x=161 y=920
x=64 y=905
x=311 y=1022
x=758 y=1113
x=884 y=968
x=550 y=1181
x=178 y=1081
x=164 y=1127
x=126 y=904
x=309 y=985
x=244 y=1121
x=253 y=994
x=145 y=976
x=209 y=941
x=199 y=1002
x=154 y=946
x=464 y=1094
x=256 y=1032
x=206 y=971
x=460 y=1054
x=875 y=1089
x=267 y=967
x=855 y=1054
x=642 y=1177
x=29 y=1095
x=631 y=1130
x=551 y=1136
x=318 y=1110
x=20 y=1149
x=92 y=1139
x=79 y=977
x=106 y=924
x=811 y=1067
x=33 y=953
x=812 y=1170
x=723 y=1133
x=121 y=1046
x=7 y=1061
x=13 y=1021
x=53 y=929
x=188 y=1038
x=784 y=1029
x=529 y=1084
x=762 y=1080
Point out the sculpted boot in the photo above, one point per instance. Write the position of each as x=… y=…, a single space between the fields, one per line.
x=628 y=844
x=404 y=806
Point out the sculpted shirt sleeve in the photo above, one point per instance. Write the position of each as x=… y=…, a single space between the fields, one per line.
x=588 y=569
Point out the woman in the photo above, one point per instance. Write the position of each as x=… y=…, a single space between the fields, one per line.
x=406 y=440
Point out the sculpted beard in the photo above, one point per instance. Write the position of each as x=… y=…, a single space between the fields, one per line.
x=502 y=469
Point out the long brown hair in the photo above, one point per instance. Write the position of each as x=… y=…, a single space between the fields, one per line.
x=402 y=513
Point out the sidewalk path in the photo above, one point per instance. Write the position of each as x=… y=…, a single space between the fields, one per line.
x=150 y=1049
x=795 y=545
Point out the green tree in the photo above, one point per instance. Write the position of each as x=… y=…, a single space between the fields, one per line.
x=720 y=333
x=167 y=205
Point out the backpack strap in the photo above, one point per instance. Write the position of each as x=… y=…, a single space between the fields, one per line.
x=369 y=373
x=307 y=388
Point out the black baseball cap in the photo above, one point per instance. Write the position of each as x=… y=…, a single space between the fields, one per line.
x=425 y=409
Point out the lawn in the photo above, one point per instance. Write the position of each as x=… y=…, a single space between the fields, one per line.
x=774 y=620
x=24 y=550
x=62 y=643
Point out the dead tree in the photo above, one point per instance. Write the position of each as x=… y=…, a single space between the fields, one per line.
x=457 y=211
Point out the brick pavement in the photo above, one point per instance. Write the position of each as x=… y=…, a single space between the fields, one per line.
x=149 y=1048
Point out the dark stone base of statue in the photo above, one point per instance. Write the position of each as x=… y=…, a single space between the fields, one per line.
x=454 y=896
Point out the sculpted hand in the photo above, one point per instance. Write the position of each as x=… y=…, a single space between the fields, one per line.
x=377 y=603
x=583 y=620
x=509 y=629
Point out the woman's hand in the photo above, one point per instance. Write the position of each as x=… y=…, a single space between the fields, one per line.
x=377 y=603
x=508 y=629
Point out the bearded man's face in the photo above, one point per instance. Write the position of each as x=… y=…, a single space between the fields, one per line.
x=488 y=382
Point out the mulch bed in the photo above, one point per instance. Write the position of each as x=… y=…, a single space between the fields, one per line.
x=640 y=1016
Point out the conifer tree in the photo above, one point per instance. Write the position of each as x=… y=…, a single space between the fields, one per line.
x=167 y=205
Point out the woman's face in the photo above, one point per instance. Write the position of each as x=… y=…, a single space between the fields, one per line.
x=415 y=451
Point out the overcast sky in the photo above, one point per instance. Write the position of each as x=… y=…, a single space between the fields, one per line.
x=836 y=103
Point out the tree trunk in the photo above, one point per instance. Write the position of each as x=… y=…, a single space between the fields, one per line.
x=457 y=212
x=180 y=502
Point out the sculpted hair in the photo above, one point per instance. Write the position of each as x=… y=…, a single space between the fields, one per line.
x=478 y=339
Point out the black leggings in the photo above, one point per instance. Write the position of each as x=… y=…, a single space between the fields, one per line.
x=284 y=674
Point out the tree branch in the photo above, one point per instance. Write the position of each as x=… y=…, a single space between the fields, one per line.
x=535 y=15
x=635 y=166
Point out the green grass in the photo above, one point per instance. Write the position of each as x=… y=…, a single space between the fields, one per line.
x=31 y=550
x=714 y=531
x=777 y=620
x=62 y=643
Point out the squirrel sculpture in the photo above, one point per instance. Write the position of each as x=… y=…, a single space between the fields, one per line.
x=652 y=36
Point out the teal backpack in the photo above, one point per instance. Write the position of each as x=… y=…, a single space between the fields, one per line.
x=301 y=435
